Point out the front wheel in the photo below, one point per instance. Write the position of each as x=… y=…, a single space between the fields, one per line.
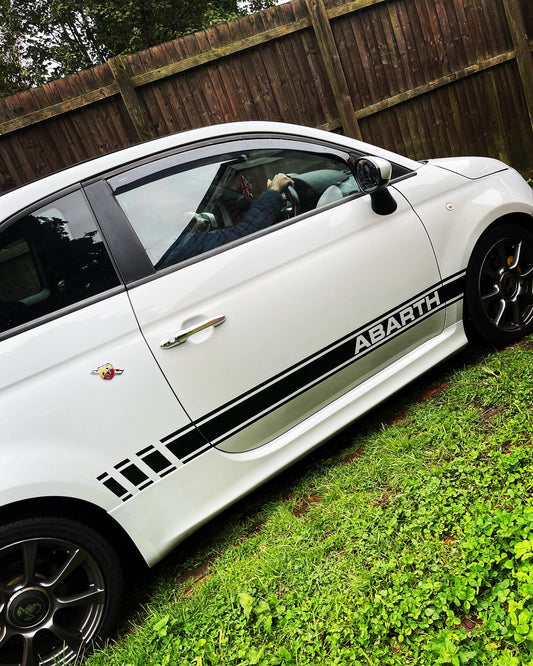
x=499 y=288
x=60 y=588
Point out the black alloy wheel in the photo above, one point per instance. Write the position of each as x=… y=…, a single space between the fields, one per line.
x=499 y=289
x=60 y=589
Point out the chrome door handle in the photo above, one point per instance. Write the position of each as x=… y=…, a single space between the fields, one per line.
x=182 y=336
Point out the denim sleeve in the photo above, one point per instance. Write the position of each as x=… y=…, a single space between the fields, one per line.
x=262 y=213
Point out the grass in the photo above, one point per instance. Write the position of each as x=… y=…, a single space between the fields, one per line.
x=406 y=540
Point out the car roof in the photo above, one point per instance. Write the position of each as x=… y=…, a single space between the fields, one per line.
x=26 y=195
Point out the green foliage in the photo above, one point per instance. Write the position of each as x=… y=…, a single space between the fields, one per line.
x=412 y=546
x=45 y=39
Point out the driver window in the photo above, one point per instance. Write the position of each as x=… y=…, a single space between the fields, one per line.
x=181 y=211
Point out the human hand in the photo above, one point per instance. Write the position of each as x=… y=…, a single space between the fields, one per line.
x=279 y=182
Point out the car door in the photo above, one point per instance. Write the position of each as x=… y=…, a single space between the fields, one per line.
x=258 y=327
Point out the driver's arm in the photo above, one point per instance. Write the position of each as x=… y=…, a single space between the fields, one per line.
x=263 y=212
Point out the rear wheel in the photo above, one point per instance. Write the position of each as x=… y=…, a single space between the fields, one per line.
x=499 y=289
x=60 y=589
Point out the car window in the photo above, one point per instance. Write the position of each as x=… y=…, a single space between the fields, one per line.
x=50 y=259
x=179 y=212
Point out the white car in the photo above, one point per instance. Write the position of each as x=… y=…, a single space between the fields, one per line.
x=174 y=331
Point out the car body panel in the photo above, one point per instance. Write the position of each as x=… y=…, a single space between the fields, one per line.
x=291 y=295
x=470 y=167
x=86 y=425
x=456 y=211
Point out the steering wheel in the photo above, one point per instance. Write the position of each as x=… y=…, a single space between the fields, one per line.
x=201 y=222
x=292 y=201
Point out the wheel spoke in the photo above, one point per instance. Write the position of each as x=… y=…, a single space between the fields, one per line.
x=516 y=256
x=73 y=639
x=527 y=273
x=89 y=597
x=5 y=635
x=29 y=658
x=499 y=315
x=75 y=559
x=29 y=553
x=488 y=298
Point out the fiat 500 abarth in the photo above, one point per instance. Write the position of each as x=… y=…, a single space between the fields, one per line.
x=184 y=318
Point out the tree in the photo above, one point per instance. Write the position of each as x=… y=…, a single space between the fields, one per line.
x=46 y=39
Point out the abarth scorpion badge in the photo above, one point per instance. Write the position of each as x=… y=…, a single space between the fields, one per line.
x=106 y=371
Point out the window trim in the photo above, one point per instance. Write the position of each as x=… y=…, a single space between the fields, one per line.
x=131 y=258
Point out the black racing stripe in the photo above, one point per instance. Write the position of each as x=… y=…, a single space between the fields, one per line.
x=115 y=487
x=252 y=405
x=452 y=290
x=156 y=461
x=186 y=443
x=321 y=366
x=134 y=474
x=277 y=392
x=453 y=286
x=177 y=433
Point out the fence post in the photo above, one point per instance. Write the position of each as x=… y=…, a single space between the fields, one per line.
x=332 y=62
x=524 y=58
x=136 y=111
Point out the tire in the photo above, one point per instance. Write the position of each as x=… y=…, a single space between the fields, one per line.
x=499 y=284
x=60 y=589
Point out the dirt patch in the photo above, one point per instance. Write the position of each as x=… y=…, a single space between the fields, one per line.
x=492 y=412
x=195 y=576
x=303 y=505
x=434 y=390
x=352 y=457
x=251 y=531
x=469 y=623
x=385 y=499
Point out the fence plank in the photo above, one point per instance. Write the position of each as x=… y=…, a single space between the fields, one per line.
x=219 y=52
x=58 y=109
x=332 y=63
x=371 y=109
x=135 y=110
x=517 y=27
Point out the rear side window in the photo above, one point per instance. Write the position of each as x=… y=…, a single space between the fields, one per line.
x=51 y=259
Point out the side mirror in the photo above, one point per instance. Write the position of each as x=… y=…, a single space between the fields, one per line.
x=373 y=176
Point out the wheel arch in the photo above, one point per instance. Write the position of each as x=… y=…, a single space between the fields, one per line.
x=474 y=319
x=523 y=219
x=82 y=512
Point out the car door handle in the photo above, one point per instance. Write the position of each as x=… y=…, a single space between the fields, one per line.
x=182 y=336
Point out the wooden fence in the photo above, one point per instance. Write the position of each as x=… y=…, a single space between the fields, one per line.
x=423 y=77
